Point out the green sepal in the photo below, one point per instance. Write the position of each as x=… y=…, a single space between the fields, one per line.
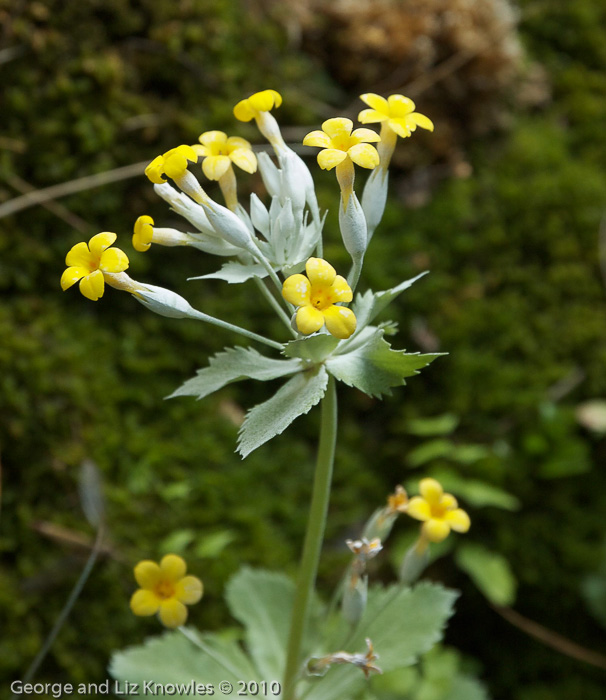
x=232 y=365
x=374 y=367
x=272 y=417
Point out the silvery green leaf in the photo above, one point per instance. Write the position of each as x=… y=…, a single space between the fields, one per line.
x=315 y=348
x=213 y=244
x=171 y=658
x=271 y=418
x=262 y=601
x=259 y=215
x=235 y=272
x=245 y=218
x=352 y=224
x=91 y=493
x=490 y=571
x=374 y=197
x=369 y=304
x=402 y=624
x=270 y=174
x=233 y=365
x=375 y=367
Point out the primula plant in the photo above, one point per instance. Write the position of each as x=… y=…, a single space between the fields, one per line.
x=294 y=645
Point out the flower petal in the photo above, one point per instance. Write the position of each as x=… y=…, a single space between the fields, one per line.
x=458 y=520
x=234 y=142
x=340 y=290
x=215 y=167
x=100 y=242
x=317 y=138
x=340 y=321
x=243 y=112
x=431 y=490
x=296 y=289
x=147 y=574
x=400 y=126
x=422 y=121
x=418 y=508
x=92 y=286
x=309 y=319
x=210 y=137
x=371 y=116
x=172 y=613
x=400 y=106
x=245 y=159
x=155 y=171
x=365 y=155
x=448 y=502
x=436 y=530
x=173 y=567
x=265 y=100
x=320 y=272
x=80 y=256
x=337 y=126
x=362 y=134
x=189 y=590
x=330 y=157
x=376 y=102
x=72 y=275
x=144 y=602
x=114 y=260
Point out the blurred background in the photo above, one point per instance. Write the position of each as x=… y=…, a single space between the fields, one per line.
x=504 y=203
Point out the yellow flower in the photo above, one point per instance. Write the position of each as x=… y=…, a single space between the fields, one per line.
x=88 y=263
x=142 y=237
x=438 y=511
x=165 y=589
x=262 y=101
x=171 y=164
x=316 y=296
x=339 y=144
x=219 y=152
x=396 y=110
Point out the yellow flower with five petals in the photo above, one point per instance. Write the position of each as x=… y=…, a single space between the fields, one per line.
x=220 y=151
x=89 y=262
x=339 y=144
x=439 y=512
x=317 y=296
x=171 y=164
x=251 y=107
x=165 y=589
x=397 y=111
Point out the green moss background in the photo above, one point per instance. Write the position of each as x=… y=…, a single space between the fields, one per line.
x=515 y=296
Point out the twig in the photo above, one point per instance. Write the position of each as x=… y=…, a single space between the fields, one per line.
x=57 y=209
x=550 y=638
x=71 y=187
x=602 y=248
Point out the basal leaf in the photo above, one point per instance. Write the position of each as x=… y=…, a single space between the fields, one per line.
x=271 y=418
x=233 y=365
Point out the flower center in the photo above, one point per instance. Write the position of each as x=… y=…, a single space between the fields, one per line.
x=165 y=590
x=320 y=299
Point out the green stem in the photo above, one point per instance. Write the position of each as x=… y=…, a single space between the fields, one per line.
x=236 y=329
x=313 y=537
x=275 y=304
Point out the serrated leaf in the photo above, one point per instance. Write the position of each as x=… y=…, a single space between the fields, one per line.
x=234 y=365
x=271 y=418
x=402 y=624
x=235 y=272
x=374 y=367
x=316 y=348
x=489 y=571
x=368 y=306
x=262 y=601
x=172 y=658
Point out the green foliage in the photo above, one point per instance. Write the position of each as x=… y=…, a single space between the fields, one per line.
x=490 y=572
